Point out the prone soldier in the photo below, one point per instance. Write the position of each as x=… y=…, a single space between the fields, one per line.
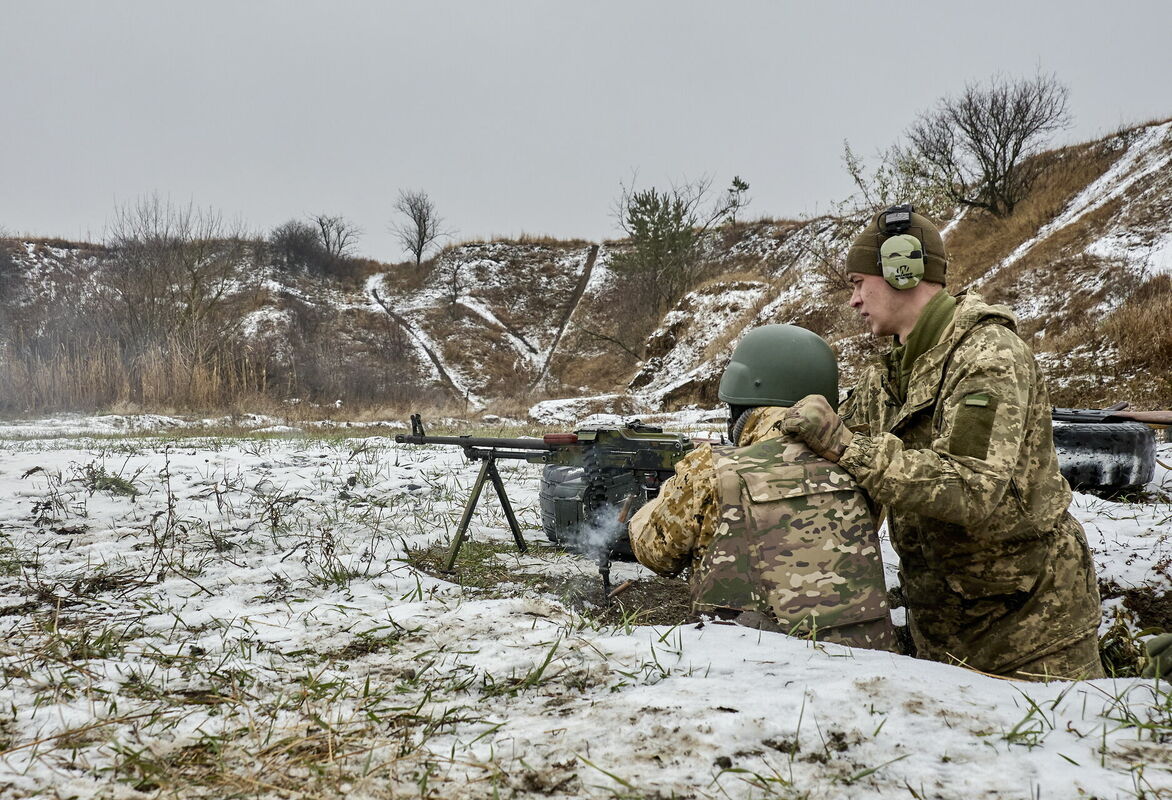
x=776 y=536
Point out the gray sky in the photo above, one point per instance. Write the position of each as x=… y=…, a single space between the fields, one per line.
x=514 y=116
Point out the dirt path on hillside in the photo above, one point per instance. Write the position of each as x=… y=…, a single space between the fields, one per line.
x=435 y=360
x=571 y=307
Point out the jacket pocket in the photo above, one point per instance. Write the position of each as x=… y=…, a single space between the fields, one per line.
x=1006 y=574
x=972 y=426
x=776 y=483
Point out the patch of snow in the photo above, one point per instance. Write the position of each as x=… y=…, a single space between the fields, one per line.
x=1146 y=155
x=1140 y=253
x=523 y=348
x=691 y=331
x=269 y=634
x=571 y=410
x=266 y=319
x=72 y=425
x=952 y=223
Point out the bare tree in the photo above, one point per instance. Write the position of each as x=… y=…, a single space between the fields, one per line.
x=422 y=227
x=977 y=147
x=173 y=280
x=171 y=265
x=452 y=278
x=338 y=237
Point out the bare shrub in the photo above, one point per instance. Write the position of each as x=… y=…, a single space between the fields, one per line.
x=10 y=283
x=337 y=236
x=351 y=356
x=296 y=246
x=171 y=284
x=152 y=319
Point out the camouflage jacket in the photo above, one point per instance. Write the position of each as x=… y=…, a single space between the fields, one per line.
x=995 y=570
x=771 y=528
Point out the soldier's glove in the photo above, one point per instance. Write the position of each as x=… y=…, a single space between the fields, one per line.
x=812 y=420
x=1159 y=657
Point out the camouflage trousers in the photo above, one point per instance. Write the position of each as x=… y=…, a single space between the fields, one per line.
x=876 y=634
x=1078 y=662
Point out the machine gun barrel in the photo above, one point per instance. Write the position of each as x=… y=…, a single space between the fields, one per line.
x=486 y=443
x=482 y=447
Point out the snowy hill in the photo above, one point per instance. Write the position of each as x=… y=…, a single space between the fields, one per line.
x=1074 y=278
x=1085 y=262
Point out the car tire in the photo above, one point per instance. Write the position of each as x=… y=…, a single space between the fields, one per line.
x=1105 y=457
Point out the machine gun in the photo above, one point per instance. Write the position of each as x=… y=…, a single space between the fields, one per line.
x=621 y=469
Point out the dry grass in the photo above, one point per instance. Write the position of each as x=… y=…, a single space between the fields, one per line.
x=406 y=277
x=1141 y=332
x=97 y=376
x=541 y=239
x=981 y=241
x=52 y=241
x=168 y=378
x=1143 y=327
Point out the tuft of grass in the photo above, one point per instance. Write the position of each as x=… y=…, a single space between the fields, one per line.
x=95 y=478
x=1120 y=650
x=1039 y=721
x=1139 y=331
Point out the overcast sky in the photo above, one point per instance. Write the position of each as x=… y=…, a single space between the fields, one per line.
x=514 y=116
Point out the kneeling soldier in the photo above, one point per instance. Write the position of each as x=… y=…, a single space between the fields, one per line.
x=775 y=535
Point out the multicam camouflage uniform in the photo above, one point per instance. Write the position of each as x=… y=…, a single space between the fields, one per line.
x=771 y=528
x=996 y=572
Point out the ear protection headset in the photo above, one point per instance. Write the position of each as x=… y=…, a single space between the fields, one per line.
x=901 y=256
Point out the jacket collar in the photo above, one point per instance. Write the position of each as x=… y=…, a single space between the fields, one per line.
x=764 y=423
x=928 y=370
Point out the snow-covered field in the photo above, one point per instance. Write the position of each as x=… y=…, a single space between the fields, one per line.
x=236 y=616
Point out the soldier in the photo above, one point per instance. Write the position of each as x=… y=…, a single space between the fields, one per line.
x=951 y=433
x=775 y=535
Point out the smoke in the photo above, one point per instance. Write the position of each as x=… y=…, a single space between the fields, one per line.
x=597 y=537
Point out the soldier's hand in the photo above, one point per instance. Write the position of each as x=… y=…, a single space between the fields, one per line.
x=812 y=420
x=1159 y=657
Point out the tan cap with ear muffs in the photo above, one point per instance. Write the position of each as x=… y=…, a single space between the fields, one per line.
x=902 y=261
x=900 y=245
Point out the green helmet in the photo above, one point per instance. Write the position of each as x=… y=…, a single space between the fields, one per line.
x=778 y=365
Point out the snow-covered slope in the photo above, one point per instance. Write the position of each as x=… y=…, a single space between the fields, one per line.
x=501 y=325
x=492 y=312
